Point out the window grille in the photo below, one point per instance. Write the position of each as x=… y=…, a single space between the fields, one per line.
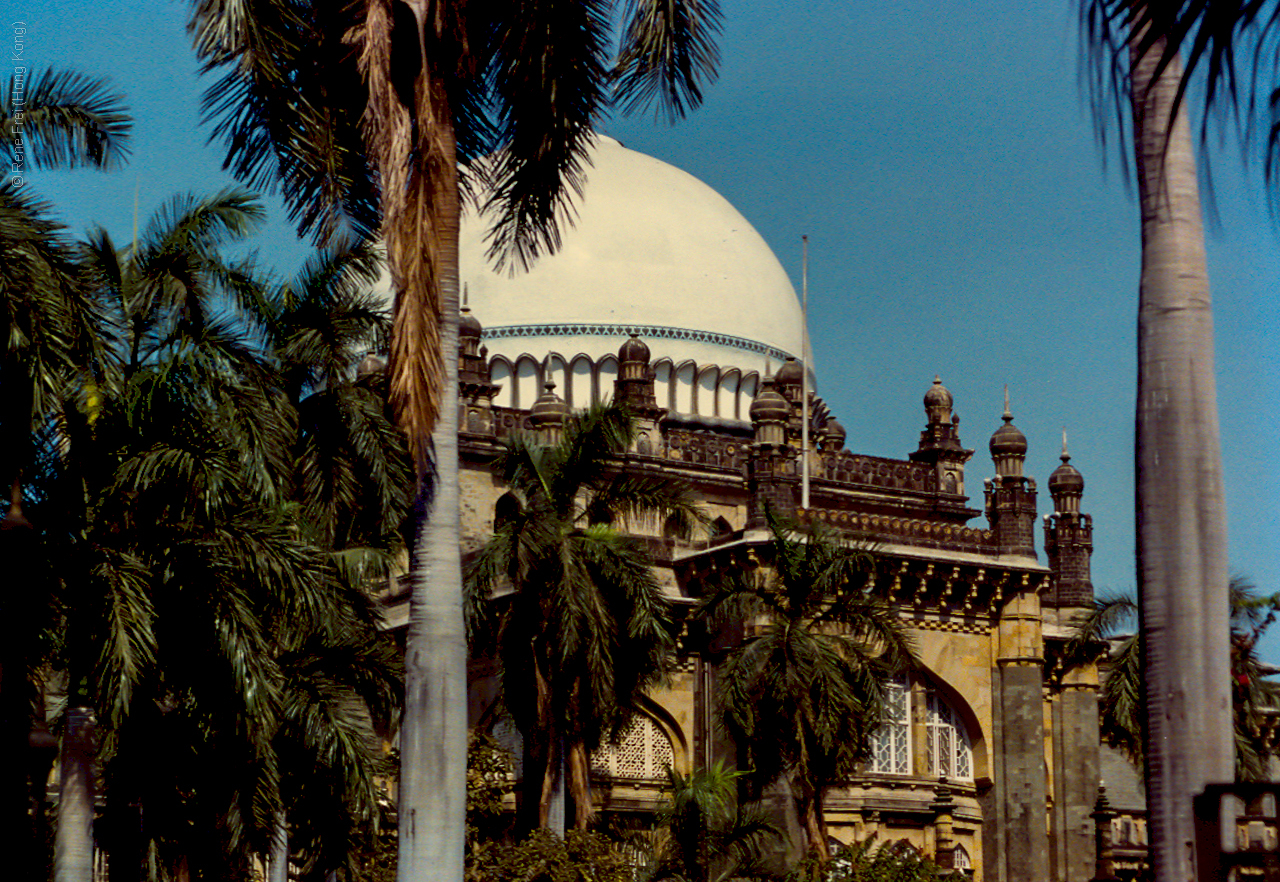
x=891 y=743
x=950 y=755
x=643 y=752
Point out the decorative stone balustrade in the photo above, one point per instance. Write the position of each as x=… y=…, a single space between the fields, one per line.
x=875 y=471
x=705 y=448
x=508 y=420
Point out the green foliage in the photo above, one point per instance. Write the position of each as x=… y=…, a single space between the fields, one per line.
x=1255 y=696
x=530 y=80
x=804 y=690
x=489 y=775
x=587 y=628
x=207 y=588
x=582 y=856
x=703 y=834
x=869 y=861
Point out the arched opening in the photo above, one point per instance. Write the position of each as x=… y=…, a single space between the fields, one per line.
x=706 y=401
x=606 y=376
x=727 y=396
x=580 y=393
x=525 y=388
x=683 y=382
x=500 y=373
x=947 y=745
x=662 y=388
x=642 y=752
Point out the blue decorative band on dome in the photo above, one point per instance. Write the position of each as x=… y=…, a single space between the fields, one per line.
x=653 y=332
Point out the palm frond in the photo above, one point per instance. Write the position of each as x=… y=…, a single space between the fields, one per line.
x=668 y=52
x=66 y=119
x=548 y=80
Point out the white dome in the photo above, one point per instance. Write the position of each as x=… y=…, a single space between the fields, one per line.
x=655 y=252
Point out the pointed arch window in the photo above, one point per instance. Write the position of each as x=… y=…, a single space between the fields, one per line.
x=950 y=754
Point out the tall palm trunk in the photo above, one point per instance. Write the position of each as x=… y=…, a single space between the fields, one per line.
x=278 y=861
x=1181 y=540
x=73 y=845
x=433 y=738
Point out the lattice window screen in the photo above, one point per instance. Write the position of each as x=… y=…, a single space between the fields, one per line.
x=643 y=752
x=891 y=743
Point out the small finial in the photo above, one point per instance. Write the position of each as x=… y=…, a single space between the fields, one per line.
x=937 y=380
x=1066 y=457
x=1008 y=414
x=465 y=308
x=768 y=368
x=550 y=386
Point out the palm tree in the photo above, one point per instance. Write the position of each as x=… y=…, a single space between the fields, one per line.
x=804 y=691
x=218 y=623
x=704 y=835
x=1254 y=696
x=389 y=97
x=350 y=489
x=586 y=628
x=58 y=119
x=1181 y=538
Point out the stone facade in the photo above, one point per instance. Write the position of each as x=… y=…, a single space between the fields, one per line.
x=990 y=763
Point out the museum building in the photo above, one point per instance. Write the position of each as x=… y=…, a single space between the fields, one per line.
x=663 y=296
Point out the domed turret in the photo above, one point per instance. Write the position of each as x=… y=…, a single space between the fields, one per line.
x=790 y=373
x=937 y=402
x=834 y=435
x=1008 y=445
x=550 y=410
x=634 y=350
x=770 y=406
x=1066 y=484
x=468 y=324
x=770 y=413
x=1068 y=538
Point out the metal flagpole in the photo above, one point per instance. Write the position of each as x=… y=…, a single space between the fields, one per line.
x=804 y=376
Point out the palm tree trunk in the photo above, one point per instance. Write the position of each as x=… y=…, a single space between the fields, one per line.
x=1181 y=538
x=433 y=738
x=547 y=789
x=73 y=844
x=278 y=862
x=579 y=767
x=815 y=829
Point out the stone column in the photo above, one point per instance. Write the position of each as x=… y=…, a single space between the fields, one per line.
x=1076 y=770
x=944 y=808
x=1019 y=750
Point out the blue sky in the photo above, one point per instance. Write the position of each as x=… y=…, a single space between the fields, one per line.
x=941 y=159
